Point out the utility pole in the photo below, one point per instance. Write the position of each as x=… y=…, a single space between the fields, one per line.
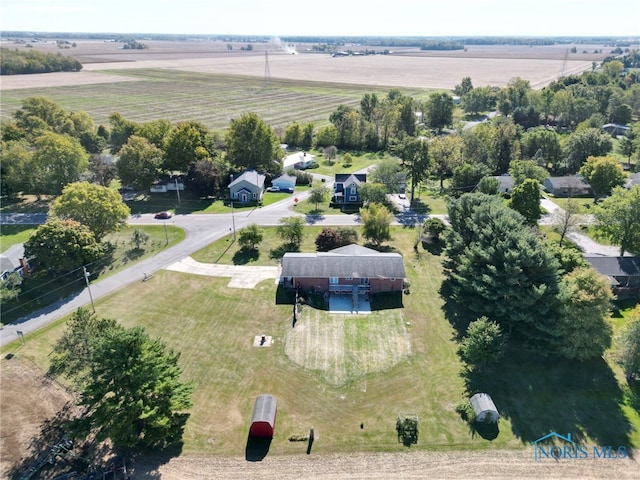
x=178 y=191
x=233 y=220
x=86 y=278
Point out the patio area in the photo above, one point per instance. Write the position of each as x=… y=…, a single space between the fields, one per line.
x=343 y=303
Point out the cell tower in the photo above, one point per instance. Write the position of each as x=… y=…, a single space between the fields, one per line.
x=267 y=73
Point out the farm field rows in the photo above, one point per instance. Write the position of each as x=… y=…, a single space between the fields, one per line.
x=193 y=81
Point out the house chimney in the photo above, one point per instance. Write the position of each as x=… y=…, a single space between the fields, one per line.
x=25 y=267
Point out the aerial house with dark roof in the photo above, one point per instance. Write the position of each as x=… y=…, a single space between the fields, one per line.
x=344 y=269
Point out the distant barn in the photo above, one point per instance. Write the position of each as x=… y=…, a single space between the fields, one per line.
x=263 y=421
x=484 y=408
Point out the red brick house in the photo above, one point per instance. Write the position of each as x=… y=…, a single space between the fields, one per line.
x=346 y=269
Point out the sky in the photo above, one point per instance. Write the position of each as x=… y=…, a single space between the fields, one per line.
x=620 y=18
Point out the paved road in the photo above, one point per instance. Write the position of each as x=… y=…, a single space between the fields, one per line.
x=201 y=230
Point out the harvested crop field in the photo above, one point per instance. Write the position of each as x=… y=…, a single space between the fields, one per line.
x=384 y=466
x=405 y=67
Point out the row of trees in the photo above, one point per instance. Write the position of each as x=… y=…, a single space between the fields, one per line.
x=19 y=62
x=501 y=273
x=42 y=137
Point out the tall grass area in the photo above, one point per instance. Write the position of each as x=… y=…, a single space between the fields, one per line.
x=352 y=401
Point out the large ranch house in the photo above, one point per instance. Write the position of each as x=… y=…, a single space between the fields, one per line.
x=353 y=271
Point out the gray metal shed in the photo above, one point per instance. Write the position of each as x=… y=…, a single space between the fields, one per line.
x=484 y=408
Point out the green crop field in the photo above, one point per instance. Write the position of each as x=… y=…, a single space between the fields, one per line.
x=209 y=98
x=338 y=372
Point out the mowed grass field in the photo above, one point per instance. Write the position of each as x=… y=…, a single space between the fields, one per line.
x=336 y=372
x=332 y=372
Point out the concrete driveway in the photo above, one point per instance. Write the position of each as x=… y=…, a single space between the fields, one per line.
x=242 y=276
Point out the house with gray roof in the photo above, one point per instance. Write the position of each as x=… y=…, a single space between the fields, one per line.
x=344 y=270
x=346 y=190
x=506 y=184
x=568 y=186
x=622 y=273
x=632 y=181
x=247 y=187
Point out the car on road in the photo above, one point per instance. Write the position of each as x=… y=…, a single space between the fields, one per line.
x=163 y=215
x=402 y=196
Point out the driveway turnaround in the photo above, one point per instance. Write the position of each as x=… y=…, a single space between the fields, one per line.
x=242 y=276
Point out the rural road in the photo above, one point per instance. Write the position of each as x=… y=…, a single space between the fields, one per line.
x=201 y=230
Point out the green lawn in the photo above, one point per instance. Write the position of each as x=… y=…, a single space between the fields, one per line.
x=41 y=290
x=11 y=235
x=338 y=372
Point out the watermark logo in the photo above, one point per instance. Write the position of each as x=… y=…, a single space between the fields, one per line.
x=565 y=448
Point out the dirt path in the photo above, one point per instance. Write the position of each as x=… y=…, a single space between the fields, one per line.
x=410 y=465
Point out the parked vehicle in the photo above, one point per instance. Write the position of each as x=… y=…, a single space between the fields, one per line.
x=163 y=215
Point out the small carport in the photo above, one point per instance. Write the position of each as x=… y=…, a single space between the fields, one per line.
x=484 y=408
x=263 y=420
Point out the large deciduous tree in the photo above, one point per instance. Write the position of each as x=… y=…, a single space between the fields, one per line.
x=583 y=144
x=40 y=113
x=99 y=208
x=446 y=155
x=414 y=153
x=252 y=144
x=525 y=199
x=139 y=163
x=188 y=142
x=121 y=130
x=603 y=174
x=618 y=218
x=439 y=111
x=61 y=246
x=388 y=173
x=520 y=170
x=59 y=160
x=129 y=383
x=583 y=321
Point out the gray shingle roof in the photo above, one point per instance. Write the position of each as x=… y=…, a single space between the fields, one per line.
x=616 y=266
x=250 y=176
x=350 y=261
